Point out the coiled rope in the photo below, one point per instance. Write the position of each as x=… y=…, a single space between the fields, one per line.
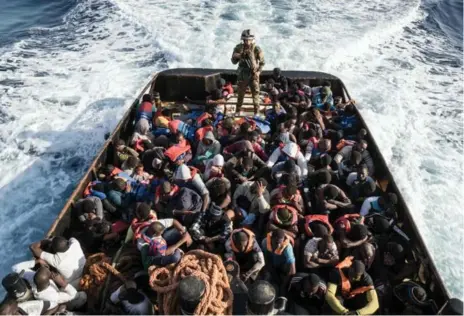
x=218 y=297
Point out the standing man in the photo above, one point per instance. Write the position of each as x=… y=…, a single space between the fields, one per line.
x=250 y=59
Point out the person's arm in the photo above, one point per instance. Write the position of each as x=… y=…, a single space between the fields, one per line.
x=185 y=239
x=331 y=299
x=67 y=292
x=303 y=164
x=205 y=204
x=274 y=157
x=263 y=202
x=310 y=263
x=372 y=304
x=260 y=152
x=36 y=249
x=309 y=151
x=236 y=55
x=257 y=266
x=98 y=208
x=177 y=225
x=132 y=152
x=366 y=206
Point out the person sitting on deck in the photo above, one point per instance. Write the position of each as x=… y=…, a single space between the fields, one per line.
x=214 y=167
x=132 y=300
x=347 y=121
x=383 y=205
x=361 y=184
x=123 y=152
x=350 y=232
x=184 y=205
x=256 y=195
x=288 y=194
x=332 y=198
x=320 y=252
x=207 y=149
x=89 y=208
x=10 y=306
x=52 y=287
x=158 y=251
x=361 y=147
x=306 y=294
x=348 y=166
x=129 y=165
x=144 y=216
x=250 y=143
x=289 y=151
x=271 y=90
x=211 y=229
x=140 y=175
x=66 y=256
x=284 y=217
x=164 y=194
x=280 y=260
x=190 y=178
x=321 y=95
x=243 y=248
x=280 y=81
x=351 y=281
x=146 y=109
x=242 y=167
x=284 y=169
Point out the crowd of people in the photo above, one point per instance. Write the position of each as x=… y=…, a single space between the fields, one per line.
x=291 y=196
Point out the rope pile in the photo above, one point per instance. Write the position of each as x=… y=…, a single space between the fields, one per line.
x=96 y=271
x=218 y=297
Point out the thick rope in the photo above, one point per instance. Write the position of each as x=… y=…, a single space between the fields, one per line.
x=218 y=297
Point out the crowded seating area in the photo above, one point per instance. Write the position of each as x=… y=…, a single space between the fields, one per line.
x=289 y=195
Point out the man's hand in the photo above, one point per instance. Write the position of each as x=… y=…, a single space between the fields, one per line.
x=59 y=280
x=237 y=56
x=260 y=190
x=242 y=179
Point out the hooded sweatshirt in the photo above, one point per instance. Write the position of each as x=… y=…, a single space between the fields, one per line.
x=208 y=151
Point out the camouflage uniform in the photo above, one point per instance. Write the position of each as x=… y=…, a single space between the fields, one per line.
x=245 y=75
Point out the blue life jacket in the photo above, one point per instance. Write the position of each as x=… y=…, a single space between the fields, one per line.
x=348 y=121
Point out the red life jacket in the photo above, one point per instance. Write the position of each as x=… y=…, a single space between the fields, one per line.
x=292 y=210
x=315 y=142
x=174 y=190
x=201 y=132
x=345 y=221
x=324 y=219
x=145 y=107
x=138 y=146
x=193 y=171
x=345 y=142
x=202 y=117
x=251 y=239
x=86 y=192
x=137 y=226
x=228 y=88
x=175 y=151
x=115 y=172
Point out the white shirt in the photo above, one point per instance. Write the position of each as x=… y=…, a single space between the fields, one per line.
x=34 y=307
x=366 y=206
x=142 y=308
x=70 y=263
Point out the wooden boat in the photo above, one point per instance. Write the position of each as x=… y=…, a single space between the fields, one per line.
x=175 y=84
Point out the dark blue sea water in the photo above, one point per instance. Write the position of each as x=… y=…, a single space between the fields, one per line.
x=69 y=69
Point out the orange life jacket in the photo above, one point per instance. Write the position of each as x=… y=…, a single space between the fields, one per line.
x=115 y=172
x=137 y=226
x=251 y=239
x=347 y=292
x=288 y=241
x=344 y=142
x=201 y=132
x=86 y=192
x=267 y=100
x=138 y=146
x=175 y=151
x=345 y=221
x=277 y=207
x=193 y=171
x=202 y=117
x=324 y=219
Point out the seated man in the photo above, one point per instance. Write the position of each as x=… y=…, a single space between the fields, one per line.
x=190 y=178
x=356 y=288
x=87 y=209
x=184 y=205
x=242 y=167
x=284 y=217
x=383 y=205
x=280 y=259
x=255 y=194
x=320 y=252
x=351 y=233
x=289 y=195
x=211 y=229
x=10 y=306
x=144 y=216
x=347 y=166
x=155 y=248
x=250 y=143
x=53 y=288
x=286 y=168
x=361 y=184
x=123 y=152
x=133 y=301
x=332 y=198
x=361 y=147
x=65 y=256
x=243 y=248
x=207 y=149
x=164 y=193
x=289 y=151
x=306 y=294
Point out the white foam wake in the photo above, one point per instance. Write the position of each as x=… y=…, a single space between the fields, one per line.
x=74 y=82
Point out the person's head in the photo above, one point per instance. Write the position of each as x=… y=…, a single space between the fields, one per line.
x=143 y=211
x=182 y=173
x=179 y=137
x=253 y=137
x=131 y=294
x=318 y=229
x=289 y=166
x=326 y=242
x=119 y=184
x=139 y=168
x=248 y=38
x=247 y=164
x=361 y=134
x=284 y=215
x=324 y=177
x=277 y=238
x=361 y=146
x=245 y=128
x=270 y=83
x=356 y=271
x=42 y=278
x=102 y=228
x=88 y=206
x=120 y=144
x=311 y=284
x=325 y=160
x=290 y=190
x=388 y=201
x=362 y=172
x=355 y=158
x=338 y=100
x=276 y=72
x=207 y=141
x=215 y=212
x=325 y=145
x=240 y=240
x=166 y=188
x=350 y=109
x=327 y=84
x=59 y=244
x=147 y=98
x=394 y=253
x=157 y=229
x=9 y=306
x=358 y=232
x=132 y=162
x=254 y=186
x=220 y=83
